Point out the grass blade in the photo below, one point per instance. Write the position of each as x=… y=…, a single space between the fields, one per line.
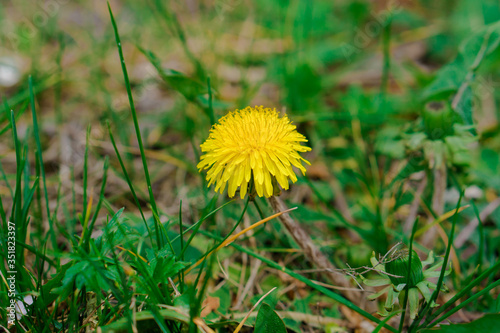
x=85 y=173
x=466 y=302
x=16 y=210
x=463 y=292
x=137 y=129
x=210 y=103
x=40 y=159
x=99 y=203
x=383 y=322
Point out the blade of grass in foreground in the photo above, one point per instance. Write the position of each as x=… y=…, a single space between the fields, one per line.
x=465 y=303
x=2 y=211
x=3 y=215
x=40 y=159
x=22 y=98
x=181 y=256
x=137 y=129
x=21 y=202
x=210 y=103
x=19 y=114
x=85 y=173
x=16 y=210
x=481 y=239
x=386 y=319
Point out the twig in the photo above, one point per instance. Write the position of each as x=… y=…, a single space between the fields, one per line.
x=353 y=277
x=356 y=271
x=351 y=271
x=329 y=286
x=391 y=252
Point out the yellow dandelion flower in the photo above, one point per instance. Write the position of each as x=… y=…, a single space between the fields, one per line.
x=252 y=143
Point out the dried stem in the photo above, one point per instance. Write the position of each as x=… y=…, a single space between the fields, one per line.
x=415 y=204
x=440 y=181
x=312 y=253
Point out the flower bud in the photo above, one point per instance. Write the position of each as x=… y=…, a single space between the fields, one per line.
x=438 y=118
x=398 y=265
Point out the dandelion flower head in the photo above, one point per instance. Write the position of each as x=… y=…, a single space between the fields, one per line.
x=253 y=143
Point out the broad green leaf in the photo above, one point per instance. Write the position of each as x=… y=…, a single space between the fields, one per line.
x=268 y=321
x=162 y=264
x=48 y=294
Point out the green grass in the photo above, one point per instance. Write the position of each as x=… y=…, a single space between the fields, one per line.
x=112 y=216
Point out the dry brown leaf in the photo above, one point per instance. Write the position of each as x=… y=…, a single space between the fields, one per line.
x=209 y=305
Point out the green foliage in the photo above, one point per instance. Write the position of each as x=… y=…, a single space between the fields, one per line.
x=162 y=265
x=268 y=321
x=451 y=78
x=88 y=272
